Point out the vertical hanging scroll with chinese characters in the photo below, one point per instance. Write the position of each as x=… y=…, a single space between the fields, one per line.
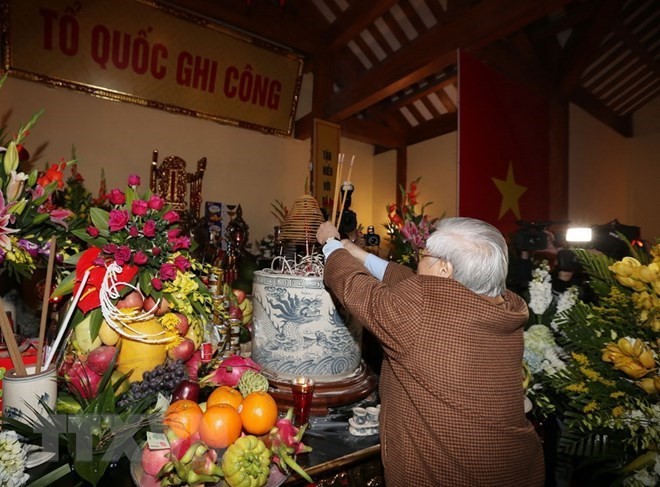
x=325 y=143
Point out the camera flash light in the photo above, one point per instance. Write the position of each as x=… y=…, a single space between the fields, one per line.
x=578 y=235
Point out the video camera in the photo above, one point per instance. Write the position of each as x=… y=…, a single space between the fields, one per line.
x=371 y=239
x=530 y=236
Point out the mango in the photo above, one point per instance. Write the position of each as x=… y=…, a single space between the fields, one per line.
x=82 y=337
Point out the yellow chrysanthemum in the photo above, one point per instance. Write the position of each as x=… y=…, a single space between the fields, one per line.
x=590 y=373
x=580 y=358
x=617 y=394
x=591 y=407
x=617 y=411
x=577 y=387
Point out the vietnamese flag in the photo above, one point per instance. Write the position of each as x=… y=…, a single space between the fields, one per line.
x=503 y=148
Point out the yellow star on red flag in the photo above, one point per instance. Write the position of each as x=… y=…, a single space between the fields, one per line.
x=511 y=193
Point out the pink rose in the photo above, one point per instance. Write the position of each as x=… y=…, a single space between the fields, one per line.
x=109 y=248
x=118 y=220
x=168 y=272
x=140 y=258
x=133 y=232
x=116 y=197
x=157 y=284
x=134 y=180
x=93 y=231
x=149 y=229
x=139 y=207
x=171 y=217
x=123 y=254
x=156 y=202
x=181 y=263
x=173 y=233
x=180 y=243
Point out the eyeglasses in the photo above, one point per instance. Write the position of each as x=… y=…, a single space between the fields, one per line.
x=424 y=253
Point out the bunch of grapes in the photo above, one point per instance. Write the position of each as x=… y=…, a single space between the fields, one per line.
x=163 y=379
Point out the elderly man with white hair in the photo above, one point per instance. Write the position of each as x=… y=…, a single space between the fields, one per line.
x=451 y=381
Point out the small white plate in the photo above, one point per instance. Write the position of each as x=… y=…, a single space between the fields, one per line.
x=36 y=456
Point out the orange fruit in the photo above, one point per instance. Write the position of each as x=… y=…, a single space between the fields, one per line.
x=258 y=413
x=225 y=395
x=220 y=426
x=183 y=417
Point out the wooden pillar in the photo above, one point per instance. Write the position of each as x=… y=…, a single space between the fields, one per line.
x=401 y=172
x=558 y=159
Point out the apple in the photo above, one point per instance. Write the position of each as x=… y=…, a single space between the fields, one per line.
x=150 y=305
x=183 y=325
x=132 y=300
x=235 y=312
x=240 y=295
x=186 y=389
x=183 y=351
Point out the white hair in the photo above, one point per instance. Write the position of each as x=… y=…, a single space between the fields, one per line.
x=476 y=250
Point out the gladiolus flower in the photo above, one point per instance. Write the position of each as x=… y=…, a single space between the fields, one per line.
x=55 y=173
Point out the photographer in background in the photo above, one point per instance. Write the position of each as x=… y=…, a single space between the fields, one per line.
x=528 y=245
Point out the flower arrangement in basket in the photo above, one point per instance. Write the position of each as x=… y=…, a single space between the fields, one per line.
x=407 y=229
x=599 y=369
x=135 y=283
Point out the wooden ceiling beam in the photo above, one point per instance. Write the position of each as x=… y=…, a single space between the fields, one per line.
x=304 y=127
x=503 y=59
x=436 y=49
x=357 y=17
x=371 y=132
x=432 y=85
x=580 y=54
x=283 y=28
x=585 y=100
x=446 y=124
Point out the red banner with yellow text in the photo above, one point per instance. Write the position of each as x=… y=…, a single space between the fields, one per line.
x=503 y=137
x=151 y=54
